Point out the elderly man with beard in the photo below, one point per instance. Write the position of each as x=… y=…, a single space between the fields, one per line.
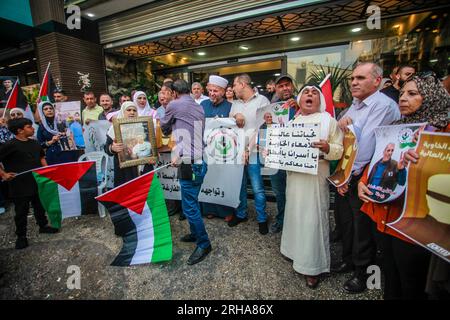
x=217 y=106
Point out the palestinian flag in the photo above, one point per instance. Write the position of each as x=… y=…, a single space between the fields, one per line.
x=139 y=214
x=328 y=94
x=47 y=87
x=67 y=190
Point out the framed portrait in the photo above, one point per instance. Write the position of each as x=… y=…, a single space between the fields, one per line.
x=138 y=138
x=163 y=143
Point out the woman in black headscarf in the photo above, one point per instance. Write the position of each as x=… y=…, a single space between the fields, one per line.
x=49 y=136
x=405 y=264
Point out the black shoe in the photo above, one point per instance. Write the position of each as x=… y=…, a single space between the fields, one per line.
x=48 y=229
x=263 y=228
x=188 y=238
x=21 y=243
x=235 y=221
x=276 y=227
x=356 y=284
x=182 y=217
x=343 y=267
x=198 y=255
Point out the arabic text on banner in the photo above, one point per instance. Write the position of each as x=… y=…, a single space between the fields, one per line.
x=426 y=214
x=290 y=147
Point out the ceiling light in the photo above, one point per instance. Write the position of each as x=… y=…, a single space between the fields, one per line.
x=356 y=29
x=359 y=41
x=418 y=30
x=277 y=74
x=31 y=72
x=184 y=58
x=201 y=53
x=435 y=30
x=259 y=86
x=243 y=47
x=14 y=64
x=433 y=60
x=295 y=38
x=90 y=15
x=396 y=26
x=434 y=16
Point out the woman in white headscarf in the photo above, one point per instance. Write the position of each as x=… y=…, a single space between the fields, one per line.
x=306 y=226
x=143 y=107
x=112 y=148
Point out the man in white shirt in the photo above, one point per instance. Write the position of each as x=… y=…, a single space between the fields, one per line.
x=244 y=111
x=197 y=92
x=370 y=109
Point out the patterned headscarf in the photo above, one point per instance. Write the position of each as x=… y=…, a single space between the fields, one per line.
x=435 y=105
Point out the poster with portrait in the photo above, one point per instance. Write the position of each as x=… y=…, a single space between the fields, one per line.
x=274 y=113
x=95 y=139
x=387 y=173
x=67 y=112
x=344 y=167
x=164 y=143
x=426 y=213
x=138 y=138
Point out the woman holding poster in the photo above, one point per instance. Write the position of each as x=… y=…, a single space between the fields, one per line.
x=305 y=238
x=112 y=148
x=405 y=264
x=51 y=135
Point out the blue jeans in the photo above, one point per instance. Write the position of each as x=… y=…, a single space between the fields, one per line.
x=190 y=190
x=278 y=182
x=254 y=173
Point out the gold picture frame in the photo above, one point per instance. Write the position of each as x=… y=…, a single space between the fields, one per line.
x=138 y=137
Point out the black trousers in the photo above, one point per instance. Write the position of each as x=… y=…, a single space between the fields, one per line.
x=22 y=206
x=358 y=230
x=405 y=267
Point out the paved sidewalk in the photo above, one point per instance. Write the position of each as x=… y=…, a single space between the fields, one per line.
x=242 y=265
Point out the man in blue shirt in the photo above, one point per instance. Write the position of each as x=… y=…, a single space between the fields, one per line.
x=216 y=106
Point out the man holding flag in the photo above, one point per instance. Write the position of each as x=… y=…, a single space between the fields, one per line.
x=18 y=155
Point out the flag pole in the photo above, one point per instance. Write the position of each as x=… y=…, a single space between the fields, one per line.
x=325 y=80
x=43 y=79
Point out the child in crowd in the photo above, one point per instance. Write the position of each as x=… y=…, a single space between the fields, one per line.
x=18 y=155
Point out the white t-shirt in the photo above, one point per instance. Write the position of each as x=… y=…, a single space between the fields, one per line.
x=248 y=109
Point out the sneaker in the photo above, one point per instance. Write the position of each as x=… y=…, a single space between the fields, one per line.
x=48 y=229
x=276 y=227
x=2 y=210
x=236 y=220
x=21 y=243
x=263 y=227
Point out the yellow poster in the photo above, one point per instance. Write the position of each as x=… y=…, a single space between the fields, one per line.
x=344 y=168
x=426 y=214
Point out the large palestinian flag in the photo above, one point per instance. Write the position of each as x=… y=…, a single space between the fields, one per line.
x=139 y=214
x=47 y=87
x=67 y=190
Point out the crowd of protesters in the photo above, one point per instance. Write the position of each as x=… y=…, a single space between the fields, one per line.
x=302 y=200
